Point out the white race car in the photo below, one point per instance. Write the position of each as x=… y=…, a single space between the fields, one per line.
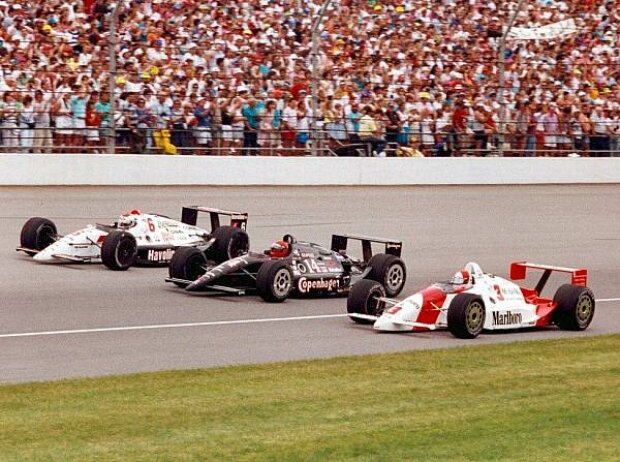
x=474 y=301
x=137 y=238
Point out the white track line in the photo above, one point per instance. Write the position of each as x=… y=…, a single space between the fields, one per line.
x=169 y=326
x=195 y=324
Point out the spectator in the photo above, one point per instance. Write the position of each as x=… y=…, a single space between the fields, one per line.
x=78 y=102
x=202 y=125
x=27 y=124
x=370 y=132
x=250 y=128
x=63 y=122
x=92 y=123
x=42 y=119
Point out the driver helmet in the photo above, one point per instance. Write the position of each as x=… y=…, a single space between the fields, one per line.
x=280 y=249
x=127 y=220
x=461 y=277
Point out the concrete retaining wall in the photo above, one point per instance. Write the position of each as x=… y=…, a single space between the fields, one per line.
x=84 y=169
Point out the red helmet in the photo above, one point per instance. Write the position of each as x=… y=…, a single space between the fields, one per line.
x=280 y=249
x=461 y=277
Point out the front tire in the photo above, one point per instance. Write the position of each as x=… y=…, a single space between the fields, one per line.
x=466 y=316
x=364 y=298
x=119 y=250
x=38 y=233
x=188 y=263
x=274 y=281
x=390 y=271
x=575 y=307
x=230 y=242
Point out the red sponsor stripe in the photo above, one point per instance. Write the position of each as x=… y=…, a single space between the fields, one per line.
x=432 y=298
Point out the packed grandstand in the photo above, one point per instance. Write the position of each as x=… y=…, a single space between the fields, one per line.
x=226 y=77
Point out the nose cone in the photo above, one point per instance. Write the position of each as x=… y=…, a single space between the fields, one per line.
x=194 y=286
x=44 y=256
x=386 y=324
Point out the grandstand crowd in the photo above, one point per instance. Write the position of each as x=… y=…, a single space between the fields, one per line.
x=227 y=77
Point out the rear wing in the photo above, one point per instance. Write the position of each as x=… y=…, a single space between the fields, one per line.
x=189 y=215
x=518 y=270
x=340 y=241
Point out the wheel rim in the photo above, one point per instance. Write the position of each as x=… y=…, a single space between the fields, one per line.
x=374 y=306
x=238 y=246
x=125 y=251
x=584 y=309
x=475 y=317
x=282 y=282
x=45 y=237
x=194 y=268
x=395 y=277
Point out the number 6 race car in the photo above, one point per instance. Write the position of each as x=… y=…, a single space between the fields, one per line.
x=474 y=301
x=292 y=267
x=137 y=238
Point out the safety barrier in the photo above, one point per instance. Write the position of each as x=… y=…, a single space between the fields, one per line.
x=84 y=169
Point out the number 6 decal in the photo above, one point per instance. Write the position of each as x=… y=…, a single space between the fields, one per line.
x=151 y=224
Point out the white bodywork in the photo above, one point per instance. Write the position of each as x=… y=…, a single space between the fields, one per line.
x=150 y=230
x=505 y=305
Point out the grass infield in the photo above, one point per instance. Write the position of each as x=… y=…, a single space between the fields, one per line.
x=534 y=401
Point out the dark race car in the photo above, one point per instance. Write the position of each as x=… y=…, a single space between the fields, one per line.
x=292 y=267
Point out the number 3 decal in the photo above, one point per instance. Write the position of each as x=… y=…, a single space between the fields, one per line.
x=498 y=290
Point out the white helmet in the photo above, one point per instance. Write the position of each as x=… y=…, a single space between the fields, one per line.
x=129 y=219
x=462 y=277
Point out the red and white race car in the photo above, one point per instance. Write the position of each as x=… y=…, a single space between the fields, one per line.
x=473 y=301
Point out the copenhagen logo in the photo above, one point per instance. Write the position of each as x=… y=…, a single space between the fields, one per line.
x=159 y=255
x=307 y=285
x=507 y=318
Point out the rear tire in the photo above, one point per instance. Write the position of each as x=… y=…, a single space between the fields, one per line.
x=38 y=233
x=390 y=271
x=466 y=316
x=119 y=250
x=364 y=299
x=274 y=281
x=230 y=242
x=575 y=307
x=188 y=263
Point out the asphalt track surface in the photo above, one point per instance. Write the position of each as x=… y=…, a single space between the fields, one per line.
x=62 y=321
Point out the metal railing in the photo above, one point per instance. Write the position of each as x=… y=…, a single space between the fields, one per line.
x=331 y=141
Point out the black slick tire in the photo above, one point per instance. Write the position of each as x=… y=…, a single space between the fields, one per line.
x=390 y=271
x=230 y=242
x=466 y=316
x=364 y=299
x=274 y=281
x=187 y=263
x=38 y=233
x=575 y=307
x=119 y=250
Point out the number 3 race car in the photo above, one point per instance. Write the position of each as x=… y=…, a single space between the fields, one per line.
x=137 y=238
x=474 y=301
x=292 y=267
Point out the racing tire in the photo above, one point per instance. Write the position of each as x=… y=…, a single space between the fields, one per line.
x=230 y=242
x=274 y=281
x=38 y=233
x=575 y=307
x=388 y=270
x=119 y=250
x=466 y=316
x=187 y=263
x=364 y=299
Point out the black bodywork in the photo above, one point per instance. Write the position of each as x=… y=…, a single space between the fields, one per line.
x=315 y=270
